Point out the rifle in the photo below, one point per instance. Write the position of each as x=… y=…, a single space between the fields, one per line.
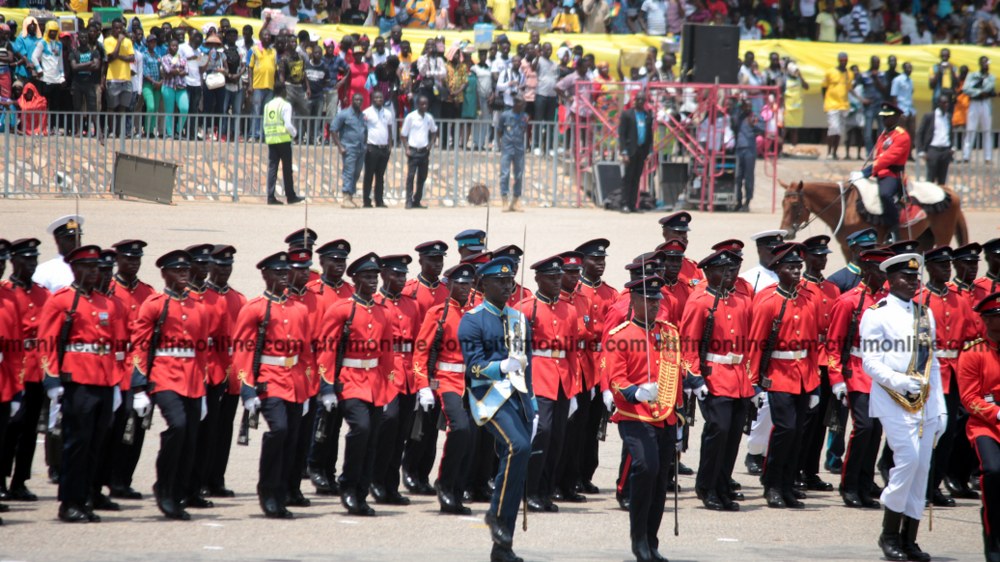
x=63 y=338
x=338 y=387
x=258 y=352
x=852 y=330
x=417 y=432
x=154 y=343
x=772 y=341
x=706 y=336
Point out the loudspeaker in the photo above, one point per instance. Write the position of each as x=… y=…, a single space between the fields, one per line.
x=710 y=52
x=673 y=180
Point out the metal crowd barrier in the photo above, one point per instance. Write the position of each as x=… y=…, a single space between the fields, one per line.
x=66 y=155
x=977 y=181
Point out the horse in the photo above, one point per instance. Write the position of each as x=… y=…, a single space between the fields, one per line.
x=837 y=204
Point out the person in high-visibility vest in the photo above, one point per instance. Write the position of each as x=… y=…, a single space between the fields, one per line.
x=278 y=134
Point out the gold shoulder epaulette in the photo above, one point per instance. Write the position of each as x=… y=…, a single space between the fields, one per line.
x=618 y=328
x=972 y=344
x=666 y=322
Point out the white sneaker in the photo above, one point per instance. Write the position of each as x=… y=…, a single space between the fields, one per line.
x=537 y=152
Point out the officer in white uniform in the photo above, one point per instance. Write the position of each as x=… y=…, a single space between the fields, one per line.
x=897 y=337
x=56 y=273
x=761 y=277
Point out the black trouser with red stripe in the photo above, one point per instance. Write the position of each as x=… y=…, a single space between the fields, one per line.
x=858 y=474
x=720 y=441
x=456 y=458
x=650 y=449
x=988 y=450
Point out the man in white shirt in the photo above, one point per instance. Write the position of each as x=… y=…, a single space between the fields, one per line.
x=418 y=136
x=546 y=99
x=381 y=123
x=191 y=53
x=897 y=341
x=655 y=16
x=55 y=273
x=761 y=277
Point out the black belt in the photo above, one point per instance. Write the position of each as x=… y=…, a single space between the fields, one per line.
x=424 y=149
x=939 y=147
x=379 y=146
x=896 y=169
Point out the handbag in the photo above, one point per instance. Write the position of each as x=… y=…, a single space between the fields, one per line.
x=214 y=80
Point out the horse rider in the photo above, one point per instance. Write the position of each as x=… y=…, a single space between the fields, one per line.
x=891 y=151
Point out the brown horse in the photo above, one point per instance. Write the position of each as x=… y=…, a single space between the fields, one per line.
x=836 y=205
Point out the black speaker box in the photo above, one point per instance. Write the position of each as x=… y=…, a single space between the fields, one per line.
x=710 y=52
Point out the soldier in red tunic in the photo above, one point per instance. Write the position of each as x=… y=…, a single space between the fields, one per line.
x=426 y=288
x=19 y=447
x=515 y=253
x=274 y=381
x=676 y=227
x=850 y=383
x=643 y=360
x=979 y=383
x=80 y=371
x=169 y=335
x=990 y=282
x=299 y=264
x=714 y=328
x=553 y=325
x=446 y=379
x=891 y=151
x=355 y=373
x=218 y=282
x=330 y=289
x=12 y=358
x=783 y=363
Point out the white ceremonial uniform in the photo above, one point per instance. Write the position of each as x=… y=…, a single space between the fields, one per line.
x=53 y=274
x=886 y=332
x=760 y=278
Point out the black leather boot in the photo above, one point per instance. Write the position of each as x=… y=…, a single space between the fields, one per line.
x=910 y=547
x=889 y=541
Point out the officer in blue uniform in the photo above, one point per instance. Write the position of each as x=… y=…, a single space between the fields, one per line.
x=495 y=342
x=848 y=277
x=470 y=242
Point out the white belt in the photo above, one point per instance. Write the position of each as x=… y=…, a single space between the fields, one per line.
x=92 y=348
x=946 y=354
x=119 y=356
x=181 y=352
x=404 y=347
x=856 y=351
x=450 y=367
x=553 y=353
x=793 y=355
x=279 y=360
x=360 y=363
x=727 y=359
x=1 y=357
x=597 y=347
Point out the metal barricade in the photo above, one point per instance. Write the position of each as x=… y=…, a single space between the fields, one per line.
x=57 y=154
x=976 y=179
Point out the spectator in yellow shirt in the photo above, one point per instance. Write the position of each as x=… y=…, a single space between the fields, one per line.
x=118 y=78
x=422 y=13
x=836 y=85
x=263 y=64
x=567 y=17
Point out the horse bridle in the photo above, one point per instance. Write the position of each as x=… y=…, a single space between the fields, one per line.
x=797 y=227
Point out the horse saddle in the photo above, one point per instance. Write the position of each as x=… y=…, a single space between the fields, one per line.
x=922 y=194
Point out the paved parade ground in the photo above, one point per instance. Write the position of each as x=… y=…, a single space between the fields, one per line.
x=597 y=530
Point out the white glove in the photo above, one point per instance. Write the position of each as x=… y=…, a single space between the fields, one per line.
x=813 y=401
x=840 y=390
x=998 y=416
x=425 y=397
x=855 y=176
x=252 y=405
x=593 y=392
x=385 y=408
x=572 y=407
x=141 y=404
x=55 y=393
x=14 y=407
x=687 y=393
x=941 y=426
x=609 y=400
x=511 y=364
x=904 y=384
x=758 y=399
x=329 y=401
x=305 y=407
x=204 y=408
x=116 y=399
x=647 y=392
x=701 y=392
x=534 y=428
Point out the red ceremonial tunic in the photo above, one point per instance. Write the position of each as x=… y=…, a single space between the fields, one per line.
x=404 y=312
x=674 y=298
x=218 y=332
x=131 y=298
x=11 y=348
x=727 y=342
x=954 y=327
x=309 y=300
x=450 y=378
x=891 y=151
x=287 y=338
x=825 y=294
x=97 y=334
x=840 y=319
x=234 y=303
x=30 y=300
x=368 y=367
x=979 y=386
x=425 y=293
x=554 y=326
x=690 y=272
x=627 y=364
x=178 y=364
x=587 y=338
x=601 y=296
x=797 y=335
x=984 y=287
